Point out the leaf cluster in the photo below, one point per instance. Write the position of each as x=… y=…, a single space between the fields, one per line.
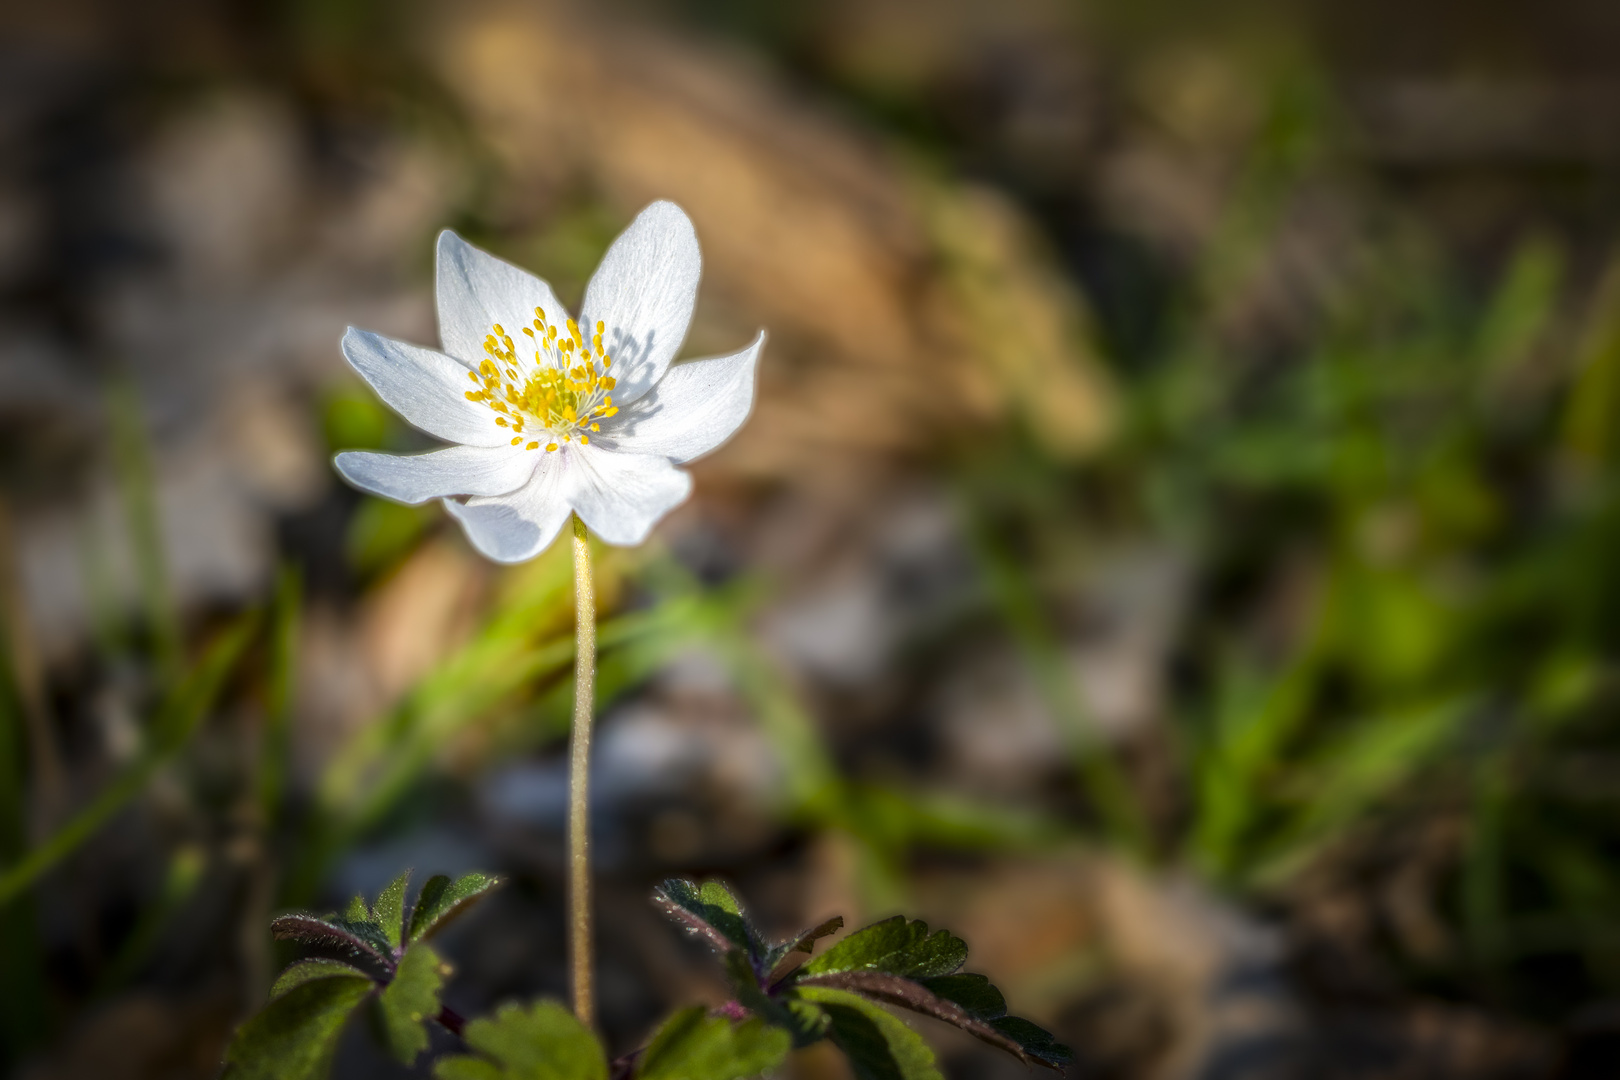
x=379 y=954
x=837 y=994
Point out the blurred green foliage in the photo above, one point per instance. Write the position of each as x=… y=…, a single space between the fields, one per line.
x=1402 y=510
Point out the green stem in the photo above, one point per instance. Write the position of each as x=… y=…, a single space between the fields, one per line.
x=579 y=758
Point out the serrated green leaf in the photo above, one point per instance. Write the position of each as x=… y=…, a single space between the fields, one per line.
x=878 y=1044
x=389 y=911
x=306 y=970
x=976 y=995
x=711 y=912
x=693 y=1045
x=897 y=946
x=295 y=1036
x=357 y=912
x=410 y=1001
x=442 y=900
x=541 y=1042
x=988 y=1022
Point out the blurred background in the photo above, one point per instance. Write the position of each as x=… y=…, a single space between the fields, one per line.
x=1177 y=546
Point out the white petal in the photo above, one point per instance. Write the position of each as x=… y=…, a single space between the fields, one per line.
x=619 y=495
x=644 y=292
x=425 y=387
x=516 y=527
x=695 y=407
x=475 y=290
x=455 y=470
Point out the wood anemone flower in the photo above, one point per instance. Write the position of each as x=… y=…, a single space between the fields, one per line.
x=549 y=416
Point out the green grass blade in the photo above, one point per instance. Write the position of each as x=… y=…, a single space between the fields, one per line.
x=22 y=998
x=1106 y=783
x=272 y=763
x=177 y=720
x=137 y=484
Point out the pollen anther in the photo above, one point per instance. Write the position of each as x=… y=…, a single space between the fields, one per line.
x=563 y=388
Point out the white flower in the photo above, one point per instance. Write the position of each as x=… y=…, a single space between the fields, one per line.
x=549 y=416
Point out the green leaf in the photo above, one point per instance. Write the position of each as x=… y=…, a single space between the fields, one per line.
x=295 y=1036
x=357 y=911
x=307 y=970
x=712 y=913
x=369 y=932
x=1037 y=1042
x=804 y=1025
x=878 y=1044
x=975 y=993
x=389 y=911
x=410 y=1001
x=804 y=942
x=541 y=1042
x=357 y=941
x=695 y=1046
x=980 y=999
x=986 y=1019
x=442 y=900
x=898 y=946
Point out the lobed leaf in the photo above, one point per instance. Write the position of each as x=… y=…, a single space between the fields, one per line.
x=878 y=1044
x=695 y=1046
x=295 y=1036
x=541 y=1042
x=306 y=970
x=335 y=935
x=409 y=1001
x=897 y=946
x=712 y=913
x=441 y=900
x=389 y=910
x=981 y=1012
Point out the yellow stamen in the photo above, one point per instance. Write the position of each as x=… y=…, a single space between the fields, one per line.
x=564 y=391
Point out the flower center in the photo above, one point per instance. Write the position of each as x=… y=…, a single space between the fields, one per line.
x=562 y=393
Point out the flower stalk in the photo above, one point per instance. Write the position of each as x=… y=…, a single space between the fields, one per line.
x=579 y=758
